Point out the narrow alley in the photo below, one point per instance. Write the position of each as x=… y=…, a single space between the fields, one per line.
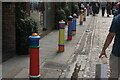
x=80 y=56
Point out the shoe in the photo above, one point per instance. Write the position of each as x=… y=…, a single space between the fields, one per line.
x=93 y=14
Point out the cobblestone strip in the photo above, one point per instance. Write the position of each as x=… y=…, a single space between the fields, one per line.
x=84 y=73
x=80 y=59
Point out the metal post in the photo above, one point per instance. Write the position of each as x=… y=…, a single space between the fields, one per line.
x=61 y=36
x=34 y=57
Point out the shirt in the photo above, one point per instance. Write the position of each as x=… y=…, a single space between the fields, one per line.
x=103 y=4
x=115 y=27
x=116 y=12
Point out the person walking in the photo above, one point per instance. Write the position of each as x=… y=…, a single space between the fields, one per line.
x=108 y=7
x=117 y=11
x=114 y=33
x=94 y=8
x=98 y=3
x=103 y=6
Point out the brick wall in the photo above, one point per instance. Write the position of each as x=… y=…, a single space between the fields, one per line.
x=8 y=30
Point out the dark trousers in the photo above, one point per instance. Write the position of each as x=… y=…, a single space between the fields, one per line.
x=94 y=11
x=103 y=11
x=108 y=11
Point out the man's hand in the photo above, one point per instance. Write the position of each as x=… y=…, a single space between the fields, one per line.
x=103 y=53
x=109 y=38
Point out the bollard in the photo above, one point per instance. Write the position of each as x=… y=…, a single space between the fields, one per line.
x=84 y=18
x=70 y=27
x=81 y=17
x=74 y=24
x=61 y=36
x=34 y=57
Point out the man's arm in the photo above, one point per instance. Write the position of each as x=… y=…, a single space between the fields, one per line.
x=109 y=39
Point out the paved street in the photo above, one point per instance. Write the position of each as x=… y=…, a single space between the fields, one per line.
x=82 y=53
x=90 y=47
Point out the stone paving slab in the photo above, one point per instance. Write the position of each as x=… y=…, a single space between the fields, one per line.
x=23 y=74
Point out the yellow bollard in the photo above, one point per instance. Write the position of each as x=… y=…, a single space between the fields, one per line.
x=61 y=36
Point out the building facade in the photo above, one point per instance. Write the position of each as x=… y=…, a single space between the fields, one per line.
x=9 y=26
x=8 y=30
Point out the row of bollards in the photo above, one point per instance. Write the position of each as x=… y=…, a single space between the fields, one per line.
x=71 y=28
x=34 y=73
x=71 y=31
